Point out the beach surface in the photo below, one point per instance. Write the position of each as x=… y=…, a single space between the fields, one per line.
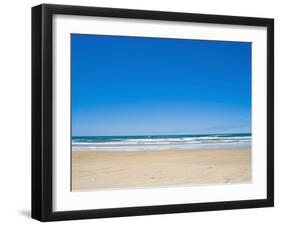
x=93 y=170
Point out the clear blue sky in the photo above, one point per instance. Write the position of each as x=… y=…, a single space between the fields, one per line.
x=147 y=86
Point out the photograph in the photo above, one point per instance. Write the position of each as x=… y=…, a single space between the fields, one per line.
x=151 y=112
x=142 y=112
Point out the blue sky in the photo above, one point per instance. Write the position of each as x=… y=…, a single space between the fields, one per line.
x=148 y=86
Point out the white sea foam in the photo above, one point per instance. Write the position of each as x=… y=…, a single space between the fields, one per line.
x=161 y=143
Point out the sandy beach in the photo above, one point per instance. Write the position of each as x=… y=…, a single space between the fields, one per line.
x=143 y=169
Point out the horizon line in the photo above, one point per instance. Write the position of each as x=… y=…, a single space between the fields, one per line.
x=161 y=135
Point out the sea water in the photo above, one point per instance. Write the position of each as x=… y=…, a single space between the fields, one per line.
x=162 y=142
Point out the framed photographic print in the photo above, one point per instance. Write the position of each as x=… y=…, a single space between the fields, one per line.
x=145 y=112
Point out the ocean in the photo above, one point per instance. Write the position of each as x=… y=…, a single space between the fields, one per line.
x=162 y=142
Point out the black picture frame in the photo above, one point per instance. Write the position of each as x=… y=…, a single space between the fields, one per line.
x=42 y=111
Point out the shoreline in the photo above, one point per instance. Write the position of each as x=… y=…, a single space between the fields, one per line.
x=96 y=170
x=215 y=148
